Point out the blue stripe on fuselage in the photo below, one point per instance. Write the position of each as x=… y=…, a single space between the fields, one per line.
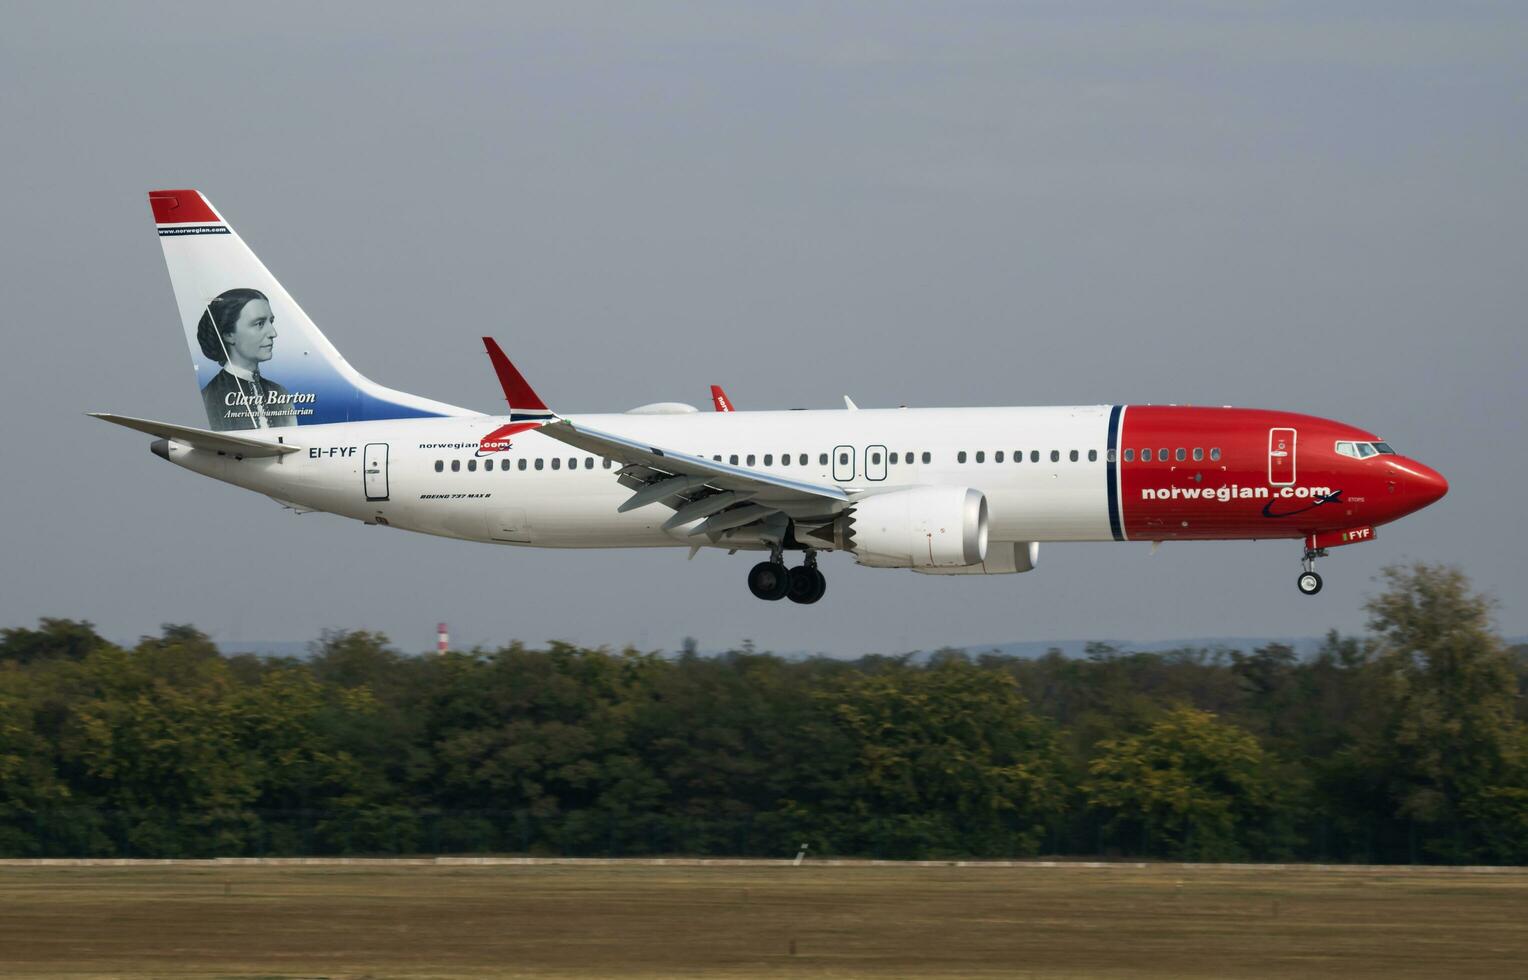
x=1109 y=472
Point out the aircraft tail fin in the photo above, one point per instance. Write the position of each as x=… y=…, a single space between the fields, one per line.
x=260 y=361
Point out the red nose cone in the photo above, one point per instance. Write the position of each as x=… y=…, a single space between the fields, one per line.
x=1430 y=484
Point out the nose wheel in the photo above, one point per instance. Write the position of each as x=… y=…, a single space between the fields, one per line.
x=1309 y=583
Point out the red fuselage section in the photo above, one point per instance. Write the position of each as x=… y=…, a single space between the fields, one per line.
x=1188 y=473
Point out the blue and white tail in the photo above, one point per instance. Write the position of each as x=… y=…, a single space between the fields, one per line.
x=260 y=362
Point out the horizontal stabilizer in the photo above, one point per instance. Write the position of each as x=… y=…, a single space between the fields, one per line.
x=216 y=442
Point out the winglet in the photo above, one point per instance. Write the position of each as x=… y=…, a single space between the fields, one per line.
x=524 y=404
x=720 y=400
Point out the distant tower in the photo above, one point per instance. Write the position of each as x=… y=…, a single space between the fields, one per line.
x=442 y=638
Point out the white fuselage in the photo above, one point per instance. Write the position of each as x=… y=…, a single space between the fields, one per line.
x=429 y=475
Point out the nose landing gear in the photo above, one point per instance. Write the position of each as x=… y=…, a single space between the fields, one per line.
x=1309 y=582
x=772 y=581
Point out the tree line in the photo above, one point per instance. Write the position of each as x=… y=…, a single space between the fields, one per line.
x=1408 y=744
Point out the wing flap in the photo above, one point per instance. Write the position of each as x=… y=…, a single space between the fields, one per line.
x=764 y=488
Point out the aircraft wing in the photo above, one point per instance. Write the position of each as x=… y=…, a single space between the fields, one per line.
x=696 y=486
x=719 y=496
x=218 y=442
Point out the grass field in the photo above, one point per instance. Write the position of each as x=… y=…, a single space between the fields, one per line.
x=642 y=921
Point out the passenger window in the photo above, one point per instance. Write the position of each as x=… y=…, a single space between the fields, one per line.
x=1018 y=455
x=1093 y=456
x=1130 y=455
x=928 y=457
x=785 y=459
x=822 y=459
x=960 y=457
x=1198 y=454
x=1215 y=453
x=875 y=459
x=522 y=462
x=802 y=459
x=997 y=457
x=891 y=458
x=588 y=462
x=1145 y=455
x=1034 y=455
x=607 y=463
x=981 y=457
x=440 y=465
x=1182 y=454
x=843 y=459
x=907 y=458
x=556 y=462
x=1162 y=455
x=456 y=466
x=1055 y=455
x=751 y=458
x=1073 y=456
x=471 y=465
x=717 y=457
x=732 y=459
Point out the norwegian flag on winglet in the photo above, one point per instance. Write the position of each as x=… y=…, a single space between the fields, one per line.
x=526 y=409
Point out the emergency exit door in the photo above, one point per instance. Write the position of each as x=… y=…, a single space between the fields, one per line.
x=843 y=463
x=374 y=465
x=1281 y=457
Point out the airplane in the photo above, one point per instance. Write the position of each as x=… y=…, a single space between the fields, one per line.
x=938 y=491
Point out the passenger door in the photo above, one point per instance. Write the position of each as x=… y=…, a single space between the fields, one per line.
x=1281 y=457
x=374 y=465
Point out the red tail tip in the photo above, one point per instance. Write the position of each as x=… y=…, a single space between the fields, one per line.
x=181 y=207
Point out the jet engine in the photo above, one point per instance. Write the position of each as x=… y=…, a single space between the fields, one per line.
x=920 y=527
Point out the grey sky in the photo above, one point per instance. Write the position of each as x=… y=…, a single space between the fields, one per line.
x=1268 y=205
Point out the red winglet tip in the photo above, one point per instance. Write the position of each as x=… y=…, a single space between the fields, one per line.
x=181 y=207
x=517 y=392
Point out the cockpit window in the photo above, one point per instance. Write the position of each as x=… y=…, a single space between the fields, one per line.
x=1364 y=450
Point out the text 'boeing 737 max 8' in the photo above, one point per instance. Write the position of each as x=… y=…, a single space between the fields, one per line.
x=941 y=491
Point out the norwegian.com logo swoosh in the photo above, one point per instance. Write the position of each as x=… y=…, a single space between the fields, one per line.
x=1335 y=497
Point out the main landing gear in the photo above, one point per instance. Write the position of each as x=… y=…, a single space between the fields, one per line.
x=771 y=580
x=1309 y=582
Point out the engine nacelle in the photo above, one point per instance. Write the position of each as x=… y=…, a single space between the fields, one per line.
x=1003 y=558
x=920 y=527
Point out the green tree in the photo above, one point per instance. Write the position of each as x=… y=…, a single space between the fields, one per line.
x=937 y=761
x=1190 y=786
x=62 y=638
x=1439 y=755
